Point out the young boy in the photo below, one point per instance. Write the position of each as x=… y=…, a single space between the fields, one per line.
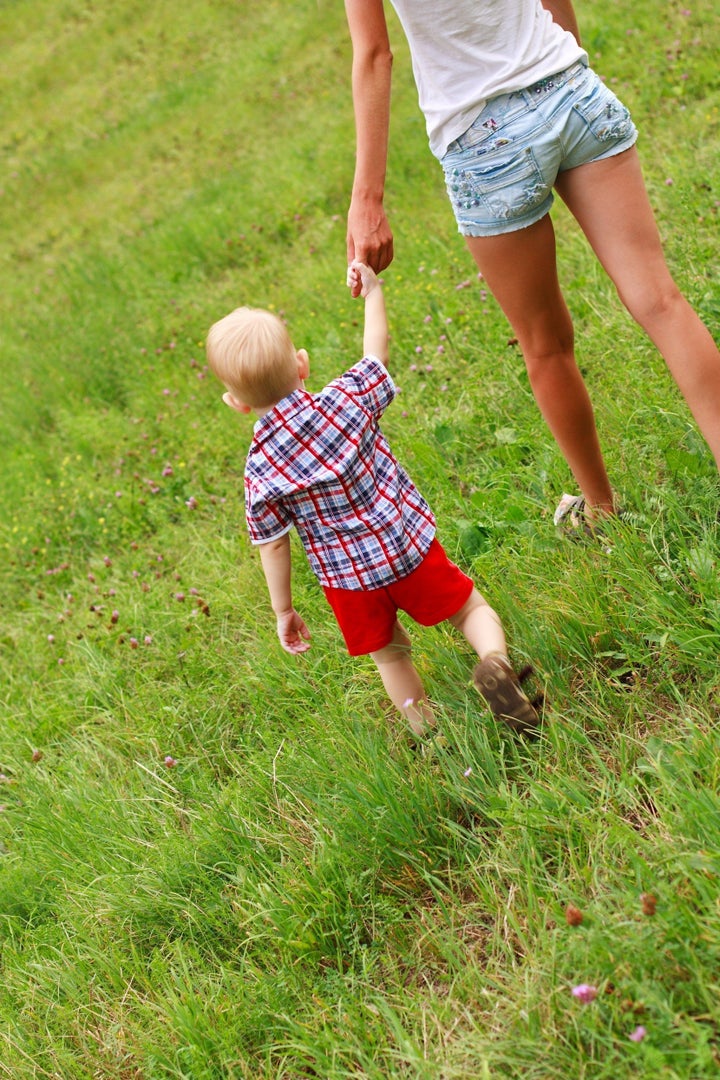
x=320 y=463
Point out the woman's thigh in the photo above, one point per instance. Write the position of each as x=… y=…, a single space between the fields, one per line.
x=609 y=200
x=521 y=272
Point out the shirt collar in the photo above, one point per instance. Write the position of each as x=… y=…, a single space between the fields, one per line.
x=281 y=413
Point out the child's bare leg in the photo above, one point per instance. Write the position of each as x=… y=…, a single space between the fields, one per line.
x=402 y=682
x=481 y=626
x=494 y=676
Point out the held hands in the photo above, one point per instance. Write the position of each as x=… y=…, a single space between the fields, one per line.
x=361 y=280
x=293 y=633
x=369 y=238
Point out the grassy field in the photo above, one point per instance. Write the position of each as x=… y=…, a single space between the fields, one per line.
x=220 y=861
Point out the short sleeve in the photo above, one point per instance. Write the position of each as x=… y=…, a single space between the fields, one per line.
x=369 y=383
x=266 y=520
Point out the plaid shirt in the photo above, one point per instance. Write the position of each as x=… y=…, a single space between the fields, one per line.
x=320 y=462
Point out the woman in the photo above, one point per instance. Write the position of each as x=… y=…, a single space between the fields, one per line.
x=513 y=112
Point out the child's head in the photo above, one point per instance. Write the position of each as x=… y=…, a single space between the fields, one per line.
x=251 y=353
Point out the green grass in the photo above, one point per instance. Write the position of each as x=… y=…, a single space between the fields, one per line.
x=296 y=893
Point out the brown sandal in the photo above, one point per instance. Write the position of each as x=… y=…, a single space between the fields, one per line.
x=496 y=681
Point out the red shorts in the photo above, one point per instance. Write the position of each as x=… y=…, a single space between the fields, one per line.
x=433 y=592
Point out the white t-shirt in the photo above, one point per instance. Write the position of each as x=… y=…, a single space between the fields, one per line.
x=465 y=52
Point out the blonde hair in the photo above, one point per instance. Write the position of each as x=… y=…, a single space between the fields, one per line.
x=251 y=353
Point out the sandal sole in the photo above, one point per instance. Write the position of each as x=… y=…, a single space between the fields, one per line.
x=500 y=688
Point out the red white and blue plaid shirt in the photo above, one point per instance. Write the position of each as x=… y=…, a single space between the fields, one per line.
x=319 y=462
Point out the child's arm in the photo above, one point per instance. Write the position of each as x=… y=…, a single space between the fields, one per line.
x=292 y=631
x=375 y=338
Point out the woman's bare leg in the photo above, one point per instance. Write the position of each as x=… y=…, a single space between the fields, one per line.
x=520 y=270
x=610 y=202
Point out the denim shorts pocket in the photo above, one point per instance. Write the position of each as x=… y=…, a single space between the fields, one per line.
x=605 y=115
x=507 y=186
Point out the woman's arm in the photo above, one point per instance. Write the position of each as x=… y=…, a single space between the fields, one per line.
x=369 y=238
x=563 y=14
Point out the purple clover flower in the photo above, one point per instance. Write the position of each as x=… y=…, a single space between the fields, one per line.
x=585 y=993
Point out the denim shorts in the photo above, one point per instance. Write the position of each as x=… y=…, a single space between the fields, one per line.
x=501 y=171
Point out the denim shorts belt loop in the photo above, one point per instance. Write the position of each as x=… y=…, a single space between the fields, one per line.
x=501 y=171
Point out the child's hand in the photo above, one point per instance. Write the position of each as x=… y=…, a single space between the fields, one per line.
x=293 y=633
x=361 y=280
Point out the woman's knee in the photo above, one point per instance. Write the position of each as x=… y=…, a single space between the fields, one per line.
x=556 y=356
x=654 y=302
x=547 y=340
